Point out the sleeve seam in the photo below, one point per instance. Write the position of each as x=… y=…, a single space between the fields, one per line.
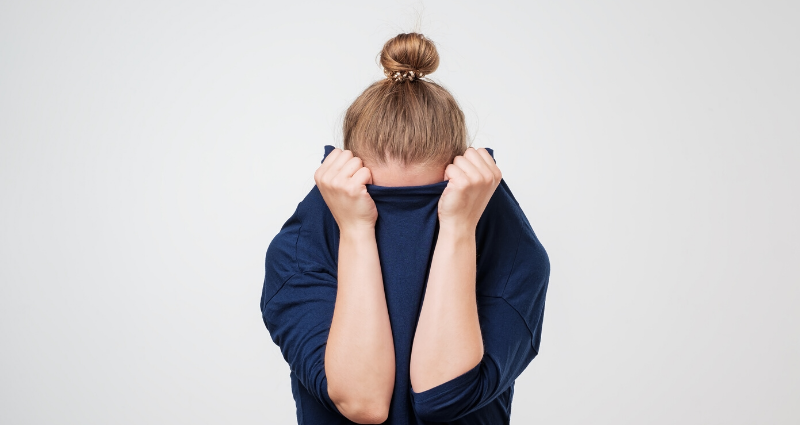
x=527 y=325
x=280 y=288
x=505 y=286
x=296 y=262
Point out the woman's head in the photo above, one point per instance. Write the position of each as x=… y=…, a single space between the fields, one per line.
x=406 y=120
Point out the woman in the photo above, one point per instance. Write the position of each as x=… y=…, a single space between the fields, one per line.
x=408 y=287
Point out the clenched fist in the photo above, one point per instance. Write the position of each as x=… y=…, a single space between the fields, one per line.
x=472 y=180
x=342 y=180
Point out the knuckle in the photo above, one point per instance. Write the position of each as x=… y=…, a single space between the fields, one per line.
x=497 y=173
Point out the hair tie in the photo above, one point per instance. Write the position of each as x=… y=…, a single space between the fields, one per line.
x=403 y=76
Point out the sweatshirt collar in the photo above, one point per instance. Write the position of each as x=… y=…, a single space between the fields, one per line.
x=381 y=191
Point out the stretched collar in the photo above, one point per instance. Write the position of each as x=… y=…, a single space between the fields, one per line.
x=392 y=191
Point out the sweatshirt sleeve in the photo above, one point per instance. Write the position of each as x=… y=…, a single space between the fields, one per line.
x=511 y=326
x=298 y=318
x=299 y=293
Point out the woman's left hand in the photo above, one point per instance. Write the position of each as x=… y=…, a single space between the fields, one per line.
x=472 y=180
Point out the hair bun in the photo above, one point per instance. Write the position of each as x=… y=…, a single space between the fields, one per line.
x=407 y=57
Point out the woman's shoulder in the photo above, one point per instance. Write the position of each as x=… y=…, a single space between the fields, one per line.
x=506 y=244
x=315 y=233
x=306 y=242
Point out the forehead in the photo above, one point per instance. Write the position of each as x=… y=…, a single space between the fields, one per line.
x=393 y=173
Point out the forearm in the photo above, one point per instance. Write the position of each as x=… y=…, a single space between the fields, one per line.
x=448 y=338
x=359 y=358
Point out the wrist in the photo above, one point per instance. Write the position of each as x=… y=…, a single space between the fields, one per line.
x=357 y=231
x=456 y=229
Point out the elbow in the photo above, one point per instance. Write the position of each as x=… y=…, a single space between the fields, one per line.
x=364 y=411
x=363 y=402
x=362 y=408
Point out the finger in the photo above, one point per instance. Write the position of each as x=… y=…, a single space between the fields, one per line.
x=326 y=163
x=453 y=172
x=351 y=166
x=339 y=161
x=332 y=165
x=470 y=170
x=479 y=162
x=362 y=176
x=490 y=162
x=486 y=156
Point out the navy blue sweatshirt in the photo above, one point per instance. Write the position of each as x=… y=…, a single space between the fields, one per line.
x=513 y=270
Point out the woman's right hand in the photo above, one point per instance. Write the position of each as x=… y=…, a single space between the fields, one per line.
x=342 y=180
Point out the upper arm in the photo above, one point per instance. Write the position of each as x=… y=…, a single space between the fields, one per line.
x=298 y=318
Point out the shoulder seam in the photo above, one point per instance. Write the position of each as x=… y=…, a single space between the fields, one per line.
x=527 y=325
x=279 y=289
x=296 y=262
x=513 y=266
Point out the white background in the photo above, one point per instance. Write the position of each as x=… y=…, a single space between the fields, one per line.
x=151 y=150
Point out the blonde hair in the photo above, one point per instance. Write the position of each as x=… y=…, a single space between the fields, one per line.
x=406 y=117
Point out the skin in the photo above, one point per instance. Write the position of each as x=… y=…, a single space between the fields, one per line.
x=359 y=357
x=395 y=174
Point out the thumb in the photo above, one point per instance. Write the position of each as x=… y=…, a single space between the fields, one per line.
x=452 y=171
x=363 y=176
x=448 y=172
